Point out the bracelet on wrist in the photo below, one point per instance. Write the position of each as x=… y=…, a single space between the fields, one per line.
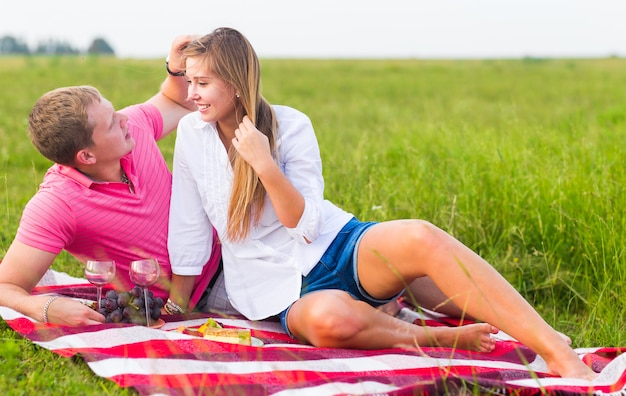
x=169 y=71
x=171 y=308
x=46 y=306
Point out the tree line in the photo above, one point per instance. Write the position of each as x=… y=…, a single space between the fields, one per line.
x=10 y=45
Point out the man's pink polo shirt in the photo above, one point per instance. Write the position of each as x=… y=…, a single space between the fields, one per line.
x=108 y=219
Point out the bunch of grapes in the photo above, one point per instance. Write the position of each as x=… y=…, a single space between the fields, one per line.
x=129 y=307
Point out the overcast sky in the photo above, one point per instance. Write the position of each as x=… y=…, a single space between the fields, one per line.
x=334 y=28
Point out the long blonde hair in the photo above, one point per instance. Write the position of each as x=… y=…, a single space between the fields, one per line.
x=230 y=55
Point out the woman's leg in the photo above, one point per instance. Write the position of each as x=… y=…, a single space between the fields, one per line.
x=393 y=254
x=333 y=319
x=423 y=293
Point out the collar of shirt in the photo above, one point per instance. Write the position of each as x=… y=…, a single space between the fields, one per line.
x=74 y=174
x=86 y=181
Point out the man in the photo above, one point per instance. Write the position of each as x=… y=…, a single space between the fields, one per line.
x=106 y=196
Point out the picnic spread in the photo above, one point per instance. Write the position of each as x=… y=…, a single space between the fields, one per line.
x=174 y=360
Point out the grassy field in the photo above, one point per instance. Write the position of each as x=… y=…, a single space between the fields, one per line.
x=522 y=160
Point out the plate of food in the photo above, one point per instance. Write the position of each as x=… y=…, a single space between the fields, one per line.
x=214 y=331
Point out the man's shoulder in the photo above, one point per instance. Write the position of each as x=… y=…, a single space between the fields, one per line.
x=51 y=205
x=61 y=187
x=139 y=108
x=63 y=177
x=142 y=118
x=142 y=113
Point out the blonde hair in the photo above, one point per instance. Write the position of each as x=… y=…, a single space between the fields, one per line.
x=227 y=53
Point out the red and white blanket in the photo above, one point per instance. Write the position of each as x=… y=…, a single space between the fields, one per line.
x=166 y=362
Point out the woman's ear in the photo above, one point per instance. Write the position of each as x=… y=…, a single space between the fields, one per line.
x=85 y=157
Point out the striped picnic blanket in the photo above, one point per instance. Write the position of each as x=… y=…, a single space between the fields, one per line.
x=166 y=362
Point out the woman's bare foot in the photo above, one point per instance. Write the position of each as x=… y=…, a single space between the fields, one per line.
x=564 y=362
x=565 y=337
x=473 y=337
x=574 y=368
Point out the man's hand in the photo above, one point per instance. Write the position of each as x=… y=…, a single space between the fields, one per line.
x=70 y=312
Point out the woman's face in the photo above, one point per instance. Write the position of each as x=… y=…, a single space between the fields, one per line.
x=213 y=96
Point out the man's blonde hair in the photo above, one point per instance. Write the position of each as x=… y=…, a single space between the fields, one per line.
x=58 y=124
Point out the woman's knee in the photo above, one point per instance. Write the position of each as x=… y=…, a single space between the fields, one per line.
x=329 y=318
x=422 y=236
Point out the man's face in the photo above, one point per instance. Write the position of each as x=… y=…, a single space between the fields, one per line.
x=110 y=135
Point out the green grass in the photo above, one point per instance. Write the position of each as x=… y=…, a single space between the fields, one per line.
x=522 y=160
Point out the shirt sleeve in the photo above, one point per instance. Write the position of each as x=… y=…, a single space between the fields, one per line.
x=47 y=223
x=300 y=160
x=147 y=117
x=190 y=237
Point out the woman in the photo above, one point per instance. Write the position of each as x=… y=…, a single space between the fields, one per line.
x=253 y=171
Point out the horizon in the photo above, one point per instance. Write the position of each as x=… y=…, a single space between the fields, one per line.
x=399 y=29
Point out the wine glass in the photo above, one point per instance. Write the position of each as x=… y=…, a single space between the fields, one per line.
x=99 y=273
x=144 y=273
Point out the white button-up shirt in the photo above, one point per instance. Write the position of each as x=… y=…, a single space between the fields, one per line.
x=263 y=274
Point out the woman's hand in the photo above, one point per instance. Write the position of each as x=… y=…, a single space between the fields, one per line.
x=175 y=58
x=253 y=146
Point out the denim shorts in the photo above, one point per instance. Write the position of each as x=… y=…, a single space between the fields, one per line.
x=337 y=269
